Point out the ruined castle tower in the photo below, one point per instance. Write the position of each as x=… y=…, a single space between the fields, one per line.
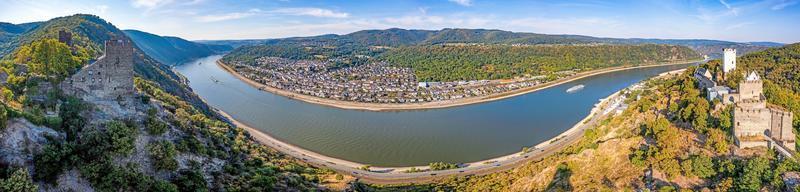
x=110 y=78
x=65 y=37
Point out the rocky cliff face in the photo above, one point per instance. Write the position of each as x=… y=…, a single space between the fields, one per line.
x=21 y=139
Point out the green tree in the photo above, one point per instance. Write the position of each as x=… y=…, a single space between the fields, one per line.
x=752 y=174
x=163 y=155
x=3 y=116
x=702 y=166
x=19 y=180
x=50 y=57
x=122 y=137
x=442 y=166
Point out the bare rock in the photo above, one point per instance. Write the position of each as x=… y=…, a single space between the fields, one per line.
x=21 y=139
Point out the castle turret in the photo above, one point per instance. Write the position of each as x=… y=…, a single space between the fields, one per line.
x=65 y=37
x=751 y=88
x=728 y=60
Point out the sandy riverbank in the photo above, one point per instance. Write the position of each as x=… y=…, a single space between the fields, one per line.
x=430 y=105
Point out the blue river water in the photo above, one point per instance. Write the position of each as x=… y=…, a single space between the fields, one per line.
x=456 y=135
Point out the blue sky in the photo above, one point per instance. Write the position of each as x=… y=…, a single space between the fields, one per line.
x=745 y=20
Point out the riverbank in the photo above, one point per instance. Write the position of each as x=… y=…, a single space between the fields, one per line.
x=399 y=175
x=429 y=105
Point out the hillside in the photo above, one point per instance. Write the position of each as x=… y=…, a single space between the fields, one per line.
x=669 y=139
x=166 y=139
x=464 y=62
x=454 y=62
x=172 y=50
x=9 y=32
x=395 y=37
x=90 y=32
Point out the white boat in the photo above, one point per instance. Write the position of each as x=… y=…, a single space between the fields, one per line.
x=575 y=88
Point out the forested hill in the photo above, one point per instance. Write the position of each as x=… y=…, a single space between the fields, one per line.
x=90 y=32
x=395 y=37
x=475 y=62
x=163 y=138
x=9 y=32
x=172 y=50
x=453 y=62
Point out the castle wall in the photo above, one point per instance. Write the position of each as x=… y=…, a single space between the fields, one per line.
x=781 y=125
x=108 y=78
x=750 y=89
x=751 y=122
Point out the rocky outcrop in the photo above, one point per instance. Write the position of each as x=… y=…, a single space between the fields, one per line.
x=21 y=139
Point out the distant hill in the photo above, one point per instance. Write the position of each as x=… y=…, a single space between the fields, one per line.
x=172 y=50
x=10 y=31
x=395 y=37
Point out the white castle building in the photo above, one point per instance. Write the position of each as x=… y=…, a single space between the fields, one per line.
x=728 y=60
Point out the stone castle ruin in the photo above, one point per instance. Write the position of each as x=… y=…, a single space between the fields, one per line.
x=753 y=117
x=755 y=123
x=108 y=82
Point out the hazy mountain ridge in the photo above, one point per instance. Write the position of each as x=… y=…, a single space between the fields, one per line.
x=395 y=37
x=173 y=50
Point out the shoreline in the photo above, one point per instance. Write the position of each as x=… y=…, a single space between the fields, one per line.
x=397 y=175
x=435 y=104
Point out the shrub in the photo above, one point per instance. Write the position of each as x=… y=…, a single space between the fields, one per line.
x=191 y=180
x=163 y=155
x=3 y=116
x=53 y=159
x=155 y=126
x=190 y=144
x=18 y=181
x=442 y=166
x=122 y=137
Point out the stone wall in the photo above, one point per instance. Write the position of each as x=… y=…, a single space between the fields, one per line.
x=750 y=122
x=107 y=79
x=750 y=89
x=781 y=125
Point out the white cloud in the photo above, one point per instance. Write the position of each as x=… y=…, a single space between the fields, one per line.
x=783 y=4
x=587 y=26
x=314 y=12
x=462 y=2
x=101 y=9
x=738 y=25
x=732 y=10
x=149 y=4
x=712 y=16
x=227 y=16
x=436 y=21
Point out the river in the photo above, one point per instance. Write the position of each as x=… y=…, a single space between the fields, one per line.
x=405 y=138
